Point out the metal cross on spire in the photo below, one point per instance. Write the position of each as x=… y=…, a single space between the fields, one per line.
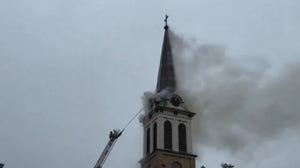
x=166 y=21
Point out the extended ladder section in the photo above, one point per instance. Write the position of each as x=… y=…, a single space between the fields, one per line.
x=113 y=136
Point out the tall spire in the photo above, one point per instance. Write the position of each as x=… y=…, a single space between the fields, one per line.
x=166 y=75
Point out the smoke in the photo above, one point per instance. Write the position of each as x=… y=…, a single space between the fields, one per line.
x=146 y=100
x=151 y=99
x=239 y=106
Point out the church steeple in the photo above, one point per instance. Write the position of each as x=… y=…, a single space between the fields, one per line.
x=166 y=74
x=167 y=123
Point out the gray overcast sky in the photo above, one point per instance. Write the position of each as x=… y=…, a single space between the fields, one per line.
x=71 y=71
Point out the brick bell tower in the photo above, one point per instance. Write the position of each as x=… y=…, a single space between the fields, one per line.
x=167 y=123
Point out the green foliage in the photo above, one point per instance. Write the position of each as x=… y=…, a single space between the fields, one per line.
x=225 y=165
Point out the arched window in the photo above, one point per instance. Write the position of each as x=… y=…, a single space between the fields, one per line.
x=168 y=135
x=176 y=165
x=148 y=141
x=182 y=137
x=154 y=136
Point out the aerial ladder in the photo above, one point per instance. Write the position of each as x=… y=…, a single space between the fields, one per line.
x=113 y=136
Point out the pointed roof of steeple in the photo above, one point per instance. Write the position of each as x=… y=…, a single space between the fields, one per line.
x=166 y=75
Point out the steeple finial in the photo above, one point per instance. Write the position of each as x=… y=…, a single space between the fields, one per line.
x=166 y=21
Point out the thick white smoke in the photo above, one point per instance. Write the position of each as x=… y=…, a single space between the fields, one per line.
x=238 y=108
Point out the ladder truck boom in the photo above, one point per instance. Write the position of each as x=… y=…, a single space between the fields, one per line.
x=113 y=136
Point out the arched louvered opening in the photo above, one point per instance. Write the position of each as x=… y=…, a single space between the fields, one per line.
x=182 y=137
x=148 y=141
x=154 y=136
x=168 y=135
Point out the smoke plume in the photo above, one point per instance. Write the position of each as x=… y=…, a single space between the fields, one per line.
x=239 y=107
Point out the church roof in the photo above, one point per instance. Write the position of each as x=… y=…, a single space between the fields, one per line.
x=166 y=75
